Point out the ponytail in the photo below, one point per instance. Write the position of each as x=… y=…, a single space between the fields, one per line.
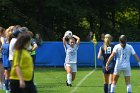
x=107 y=41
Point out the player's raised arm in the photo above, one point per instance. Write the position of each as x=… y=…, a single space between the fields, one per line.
x=77 y=39
x=64 y=41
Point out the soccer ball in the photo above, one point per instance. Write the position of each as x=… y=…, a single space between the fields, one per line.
x=68 y=34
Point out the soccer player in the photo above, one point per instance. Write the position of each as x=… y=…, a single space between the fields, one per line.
x=22 y=67
x=32 y=49
x=16 y=32
x=5 y=59
x=71 y=57
x=123 y=52
x=104 y=53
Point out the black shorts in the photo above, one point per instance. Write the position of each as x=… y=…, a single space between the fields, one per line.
x=110 y=71
x=0 y=60
x=7 y=68
x=29 y=88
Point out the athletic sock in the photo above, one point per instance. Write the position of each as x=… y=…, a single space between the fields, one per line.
x=129 y=88
x=69 y=78
x=105 y=88
x=113 y=88
x=7 y=84
x=109 y=87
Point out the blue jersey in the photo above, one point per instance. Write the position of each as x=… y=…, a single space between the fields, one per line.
x=5 y=55
x=106 y=53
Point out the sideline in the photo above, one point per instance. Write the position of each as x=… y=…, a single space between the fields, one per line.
x=81 y=81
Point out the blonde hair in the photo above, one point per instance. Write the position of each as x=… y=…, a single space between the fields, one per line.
x=107 y=40
x=10 y=29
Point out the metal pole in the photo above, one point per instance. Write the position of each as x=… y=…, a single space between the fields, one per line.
x=94 y=42
x=95 y=55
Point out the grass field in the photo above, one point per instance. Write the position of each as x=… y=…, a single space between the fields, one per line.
x=52 y=80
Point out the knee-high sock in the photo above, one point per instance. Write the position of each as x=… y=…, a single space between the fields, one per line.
x=129 y=88
x=105 y=88
x=113 y=88
x=109 y=87
x=69 y=78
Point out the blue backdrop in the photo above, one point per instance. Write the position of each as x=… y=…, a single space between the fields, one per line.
x=53 y=54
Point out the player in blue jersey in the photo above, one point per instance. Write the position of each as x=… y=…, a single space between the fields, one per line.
x=5 y=58
x=104 y=53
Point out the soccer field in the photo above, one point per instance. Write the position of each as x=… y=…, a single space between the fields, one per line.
x=88 y=80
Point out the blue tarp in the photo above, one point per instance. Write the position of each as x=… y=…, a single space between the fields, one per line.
x=53 y=54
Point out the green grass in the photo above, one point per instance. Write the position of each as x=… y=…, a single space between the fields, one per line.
x=52 y=80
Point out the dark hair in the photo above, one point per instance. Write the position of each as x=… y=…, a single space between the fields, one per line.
x=21 y=41
x=23 y=29
x=123 y=39
x=72 y=38
x=16 y=33
x=2 y=30
x=30 y=33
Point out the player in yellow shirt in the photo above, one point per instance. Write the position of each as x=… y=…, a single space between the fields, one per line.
x=22 y=67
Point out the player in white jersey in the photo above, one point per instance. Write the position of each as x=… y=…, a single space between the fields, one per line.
x=123 y=52
x=71 y=57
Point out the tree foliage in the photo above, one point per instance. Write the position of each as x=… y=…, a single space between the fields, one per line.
x=52 y=18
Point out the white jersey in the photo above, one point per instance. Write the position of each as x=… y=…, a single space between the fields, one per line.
x=11 y=48
x=71 y=54
x=123 y=56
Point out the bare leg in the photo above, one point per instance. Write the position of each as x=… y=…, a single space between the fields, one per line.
x=110 y=82
x=73 y=76
x=113 y=85
x=129 y=87
x=69 y=74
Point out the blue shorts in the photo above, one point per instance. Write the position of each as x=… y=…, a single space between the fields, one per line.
x=110 y=71
x=7 y=64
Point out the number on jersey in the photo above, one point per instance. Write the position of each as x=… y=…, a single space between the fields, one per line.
x=108 y=50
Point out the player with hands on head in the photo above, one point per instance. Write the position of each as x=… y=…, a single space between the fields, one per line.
x=71 y=48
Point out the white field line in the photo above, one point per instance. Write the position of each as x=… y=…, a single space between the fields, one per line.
x=81 y=81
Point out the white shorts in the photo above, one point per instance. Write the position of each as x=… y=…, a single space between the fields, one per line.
x=126 y=72
x=73 y=66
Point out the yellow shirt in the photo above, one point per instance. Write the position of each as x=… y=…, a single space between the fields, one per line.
x=26 y=65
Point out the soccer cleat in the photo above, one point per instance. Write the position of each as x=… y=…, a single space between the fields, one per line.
x=7 y=91
x=70 y=85
x=67 y=83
